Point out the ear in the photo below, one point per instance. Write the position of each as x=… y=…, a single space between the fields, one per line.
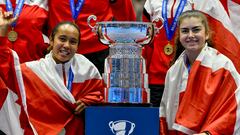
x=50 y=47
x=51 y=40
x=207 y=36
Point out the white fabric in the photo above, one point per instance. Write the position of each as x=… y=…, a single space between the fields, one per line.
x=176 y=82
x=10 y=111
x=213 y=8
x=55 y=80
x=9 y=115
x=234 y=12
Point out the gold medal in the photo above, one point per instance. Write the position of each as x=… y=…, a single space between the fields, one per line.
x=12 y=36
x=168 y=49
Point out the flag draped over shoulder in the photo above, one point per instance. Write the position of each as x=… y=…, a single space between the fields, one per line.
x=206 y=99
x=225 y=36
x=13 y=115
x=234 y=10
x=50 y=104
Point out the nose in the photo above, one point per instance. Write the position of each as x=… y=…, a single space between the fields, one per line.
x=191 y=34
x=66 y=44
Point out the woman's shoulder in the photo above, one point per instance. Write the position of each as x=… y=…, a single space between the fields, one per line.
x=82 y=60
x=216 y=56
x=218 y=60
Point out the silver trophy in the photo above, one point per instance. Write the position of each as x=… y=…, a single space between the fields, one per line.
x=125 y=72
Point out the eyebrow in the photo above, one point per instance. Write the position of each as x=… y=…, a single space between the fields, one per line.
x=192 y=27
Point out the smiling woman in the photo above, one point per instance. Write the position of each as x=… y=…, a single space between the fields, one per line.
x=68 y=80
x=64 y=41
x=59 y=86
x=193 y=33
x=202 y=87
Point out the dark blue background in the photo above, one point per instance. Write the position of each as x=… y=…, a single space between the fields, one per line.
x=146 y=119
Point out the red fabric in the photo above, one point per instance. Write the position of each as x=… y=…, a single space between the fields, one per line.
x=225 y=42
x=3 y=92
x=60 y=10
x=8 y=77
x=164 y=129
x=157 y=62
x=7 y=67
x=215 y=111
x=3 y=55
x=225 y=5
x=236 y=1
x=123 y=10
x=30 y=24
x=204 y=99
x=163 y=126
x=49 y=113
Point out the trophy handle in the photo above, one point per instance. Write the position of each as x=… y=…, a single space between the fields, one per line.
x=111 y=124
x=156 y=27
x=89 y=23
x=132 y=128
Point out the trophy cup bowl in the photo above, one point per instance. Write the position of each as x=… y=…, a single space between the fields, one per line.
x=110 y=33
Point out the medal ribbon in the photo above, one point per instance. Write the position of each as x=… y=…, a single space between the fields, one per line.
x=188 y=64
x=170 y=31
x=17 y=10
x=76 y=9
x=70 y=79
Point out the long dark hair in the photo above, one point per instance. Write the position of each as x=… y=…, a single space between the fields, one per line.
x=178 y=49
x=55 y=30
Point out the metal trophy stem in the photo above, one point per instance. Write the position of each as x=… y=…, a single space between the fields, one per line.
x=125 y=72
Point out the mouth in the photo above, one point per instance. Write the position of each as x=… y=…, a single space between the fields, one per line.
x=192 y=41
x=64 y=52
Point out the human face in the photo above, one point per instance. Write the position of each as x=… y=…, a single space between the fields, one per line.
x=192 y=34
x=65 y=43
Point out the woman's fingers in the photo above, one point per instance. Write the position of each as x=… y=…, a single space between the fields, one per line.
x=6 y=18
x=8 y=15
x=80 y=107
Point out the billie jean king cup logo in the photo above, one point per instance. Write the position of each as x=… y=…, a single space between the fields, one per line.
x=121 y=127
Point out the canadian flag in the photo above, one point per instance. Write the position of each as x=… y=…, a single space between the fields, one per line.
x=204 y=99
x=225 y=36
x=223 y=17
x=13 y=115
x=50 y=104
x=233 y=8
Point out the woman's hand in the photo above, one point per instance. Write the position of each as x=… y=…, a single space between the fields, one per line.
x=6 y=19
x=80 y=107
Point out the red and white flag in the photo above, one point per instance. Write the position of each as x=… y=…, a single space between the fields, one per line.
x=13 y=115
x=50 y=104
x=225 y=28
x=205 y=99
x=234 y=10
x=225 y=35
